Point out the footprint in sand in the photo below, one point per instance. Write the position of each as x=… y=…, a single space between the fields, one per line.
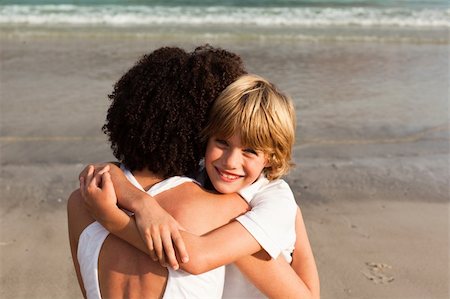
x=377 y=272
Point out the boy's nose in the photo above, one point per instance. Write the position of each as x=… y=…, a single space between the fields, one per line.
x=231 y=159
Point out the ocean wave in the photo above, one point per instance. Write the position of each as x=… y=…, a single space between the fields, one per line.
x=116 y=15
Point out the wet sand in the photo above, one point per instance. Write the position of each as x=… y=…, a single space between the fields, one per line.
x=372 y=154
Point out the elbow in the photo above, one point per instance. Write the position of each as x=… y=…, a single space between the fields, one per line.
x=316 y=292
x=194 y=270
x=196 y=266
x=314 y=295
x=201 y=260
x=310 y=295
x=314 y=289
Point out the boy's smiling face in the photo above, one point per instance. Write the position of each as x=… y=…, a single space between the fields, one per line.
x=230 y=166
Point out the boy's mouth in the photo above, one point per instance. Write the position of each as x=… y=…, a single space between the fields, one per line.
x=226 y=176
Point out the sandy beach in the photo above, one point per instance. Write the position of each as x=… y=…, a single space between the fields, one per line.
x=372 y=153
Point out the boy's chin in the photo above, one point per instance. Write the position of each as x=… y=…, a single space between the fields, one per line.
x=225 y=189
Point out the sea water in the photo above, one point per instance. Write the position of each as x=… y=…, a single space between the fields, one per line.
x=339 y=19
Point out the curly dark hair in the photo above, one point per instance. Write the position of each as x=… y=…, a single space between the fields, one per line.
x=160 y=106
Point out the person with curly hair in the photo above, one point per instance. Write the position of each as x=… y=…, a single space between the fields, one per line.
x=157 y=112
x=161 y=104
x=143 y=137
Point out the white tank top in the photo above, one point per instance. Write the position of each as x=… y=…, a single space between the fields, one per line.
x=180 y=284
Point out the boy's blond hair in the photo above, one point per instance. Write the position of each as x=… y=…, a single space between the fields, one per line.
x=264 y=116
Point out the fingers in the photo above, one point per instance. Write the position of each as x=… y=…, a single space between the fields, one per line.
x=83 y=194
x=95 y=183
x=97 y=168
x=100 y=171
x=180 y=246
x=83 y=172
x=92 y=181
x=89 y=175
x=106 y=181
x=149 y=243
x=166 y=252
x=171 y=259
x=97 y=179
x=157 y=244
x=86 y=179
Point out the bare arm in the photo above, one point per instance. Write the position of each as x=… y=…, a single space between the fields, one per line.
x=77 y=220
x=304 y=281
x=274 y=277
x=303 y=261
x=206 y=252
x=155 y=227
x=214 y=249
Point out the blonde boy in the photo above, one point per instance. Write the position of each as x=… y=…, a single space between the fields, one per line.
x=251 y=132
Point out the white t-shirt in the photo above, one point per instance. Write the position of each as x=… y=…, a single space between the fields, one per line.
x=271 y=221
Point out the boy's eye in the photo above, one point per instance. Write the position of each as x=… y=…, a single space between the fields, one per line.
x=221 y=142
x=250 y=151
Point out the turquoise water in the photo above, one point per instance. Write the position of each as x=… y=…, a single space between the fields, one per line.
x=417 y=20
x=283 y=15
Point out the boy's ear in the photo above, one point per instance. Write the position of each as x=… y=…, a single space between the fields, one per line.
x=268 y=162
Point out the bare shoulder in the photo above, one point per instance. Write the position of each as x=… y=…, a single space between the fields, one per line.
x=74 y=201
x=199 y=210
x=77 y=216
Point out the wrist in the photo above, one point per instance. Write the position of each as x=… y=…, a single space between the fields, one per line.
x=108 y=218
x=140 y=199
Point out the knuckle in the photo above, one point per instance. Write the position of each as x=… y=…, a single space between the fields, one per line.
x=157 y=244
x=153 y=229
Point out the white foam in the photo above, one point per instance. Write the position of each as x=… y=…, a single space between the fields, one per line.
x=282 y=17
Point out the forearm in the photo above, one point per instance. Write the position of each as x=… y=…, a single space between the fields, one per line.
x=216 y=248
x=75 y=227
x=206 y=252
x=123 y=226
x=303 y=261
x=279 y=280
x=306 y=270
x=274 y=277
x=128 y=196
